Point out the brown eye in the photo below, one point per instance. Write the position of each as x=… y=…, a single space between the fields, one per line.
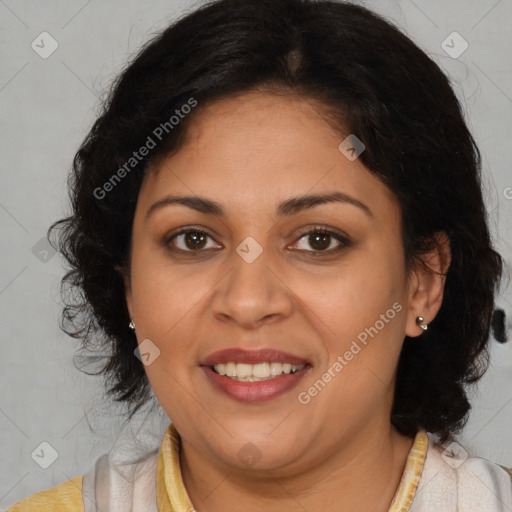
x=189 y=240
x=321 y=240
x=194 y=240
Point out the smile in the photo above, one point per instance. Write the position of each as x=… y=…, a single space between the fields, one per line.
x=253 y=375
x=243 y=372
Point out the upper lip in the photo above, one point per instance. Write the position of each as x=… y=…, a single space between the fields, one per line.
x=239 y=355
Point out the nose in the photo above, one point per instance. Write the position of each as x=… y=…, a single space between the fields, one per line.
x=252 y=294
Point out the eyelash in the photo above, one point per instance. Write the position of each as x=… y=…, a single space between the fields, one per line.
x=344 y=241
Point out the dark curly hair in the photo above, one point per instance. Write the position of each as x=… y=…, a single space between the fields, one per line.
x=371 y=80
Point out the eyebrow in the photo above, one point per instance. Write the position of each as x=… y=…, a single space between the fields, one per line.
x=284 y=209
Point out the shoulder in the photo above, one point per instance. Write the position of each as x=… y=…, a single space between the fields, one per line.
x=452 y=479
x=65 y=497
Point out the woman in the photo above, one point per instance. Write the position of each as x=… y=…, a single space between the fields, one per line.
x=278 y=229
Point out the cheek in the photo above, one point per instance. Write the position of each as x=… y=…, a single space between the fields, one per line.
x=165 y=304
x=163 y=293
x=354 y=297
x=363 y=307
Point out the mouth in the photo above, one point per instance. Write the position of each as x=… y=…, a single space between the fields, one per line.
x=256 y=375
x=243 y=372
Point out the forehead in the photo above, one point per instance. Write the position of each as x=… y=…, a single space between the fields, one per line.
x=256 y=147
x=257 y=106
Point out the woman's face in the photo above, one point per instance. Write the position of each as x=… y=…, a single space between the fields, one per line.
x=263 y=279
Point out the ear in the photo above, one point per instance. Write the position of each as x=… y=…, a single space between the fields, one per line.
x=127 y=287
x=426 y=284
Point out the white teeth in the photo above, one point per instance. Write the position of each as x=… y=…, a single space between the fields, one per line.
x=243 y=370
x=275 y=368
x=261 y=370
x=231 y=369
x=256 y=372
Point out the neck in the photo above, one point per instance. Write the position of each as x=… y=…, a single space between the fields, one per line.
x=363 y=475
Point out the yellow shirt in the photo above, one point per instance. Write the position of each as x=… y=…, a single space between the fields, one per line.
x=414 y=492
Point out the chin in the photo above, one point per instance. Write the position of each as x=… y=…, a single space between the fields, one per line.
x=260 y=453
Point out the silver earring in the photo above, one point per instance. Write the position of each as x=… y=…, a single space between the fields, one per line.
x=420 y=321
x=132 y=325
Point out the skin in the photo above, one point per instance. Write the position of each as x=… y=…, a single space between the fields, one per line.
x=339 y=451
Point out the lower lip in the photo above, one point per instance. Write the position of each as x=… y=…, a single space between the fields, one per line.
x=255 y=391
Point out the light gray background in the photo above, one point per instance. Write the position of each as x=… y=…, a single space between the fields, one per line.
x=47 y=107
